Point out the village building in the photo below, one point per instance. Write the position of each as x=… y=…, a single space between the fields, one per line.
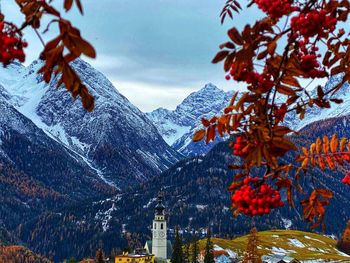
x=279 y=259
x=134 y=258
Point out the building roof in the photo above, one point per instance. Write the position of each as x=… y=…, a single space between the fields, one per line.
x=131 y=255
x=278 y=259
x=218 y=253
x=169 y=248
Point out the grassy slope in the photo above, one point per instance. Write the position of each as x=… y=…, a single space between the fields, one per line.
x=314 y=247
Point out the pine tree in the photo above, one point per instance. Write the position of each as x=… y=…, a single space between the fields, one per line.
x=113 y=253
x=99 y=256
x=177 y=256
x=252 y=255
x=194 y=250
x=72 y=260
x=209 y=251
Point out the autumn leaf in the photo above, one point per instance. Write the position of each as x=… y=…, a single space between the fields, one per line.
x=199 y=135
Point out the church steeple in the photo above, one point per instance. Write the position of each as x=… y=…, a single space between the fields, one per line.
x=159 y=209
x=159 y=231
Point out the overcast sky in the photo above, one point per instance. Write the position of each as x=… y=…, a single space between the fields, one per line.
x=156 y=52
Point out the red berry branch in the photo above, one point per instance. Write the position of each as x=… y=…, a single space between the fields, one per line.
x=12 y=44
x=57 y=53
x=271 y=61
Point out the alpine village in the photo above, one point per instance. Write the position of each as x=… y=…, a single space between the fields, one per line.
x=174 y=131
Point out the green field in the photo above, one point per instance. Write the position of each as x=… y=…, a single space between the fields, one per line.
x=296 y=244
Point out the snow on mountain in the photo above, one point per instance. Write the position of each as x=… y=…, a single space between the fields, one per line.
x=116 y=140
x=178 y=126
x=316 y=114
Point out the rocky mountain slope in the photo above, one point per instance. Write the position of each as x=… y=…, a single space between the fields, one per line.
x=196 y=197
x=178 y=126
x=116 y=140
x=55 y=154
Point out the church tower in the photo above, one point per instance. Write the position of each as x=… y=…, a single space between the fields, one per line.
x=159 y=231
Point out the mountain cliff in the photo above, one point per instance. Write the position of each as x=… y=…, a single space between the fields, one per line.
x=116 y=140
x=178 y=126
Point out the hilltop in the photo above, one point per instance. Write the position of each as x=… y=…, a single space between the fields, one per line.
x=301 y=245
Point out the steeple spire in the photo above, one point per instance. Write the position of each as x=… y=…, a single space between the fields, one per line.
x=159 y=209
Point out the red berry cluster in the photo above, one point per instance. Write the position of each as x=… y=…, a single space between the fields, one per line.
x=11 y=44
x=346 y=179
x=238 y=146
x=261 y=81
x=255 y=201
x=276 y=8
x=313 y=23
x=308 y=59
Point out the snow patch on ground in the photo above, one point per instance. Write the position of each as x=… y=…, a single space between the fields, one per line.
x=281 y=251
x=296 y=243
x=314 y=239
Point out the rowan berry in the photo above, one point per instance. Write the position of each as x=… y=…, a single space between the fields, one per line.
x=315 y=22
x=11 y=44
x=253 y=199
x=346 y=179
x=276 y=8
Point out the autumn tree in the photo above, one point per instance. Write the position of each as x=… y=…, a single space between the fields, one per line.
x=343 y=243
x=58 y=53
x=99 y=256
x=72 y=260
x=278 y=58
x=177 y=255
x=251 y=254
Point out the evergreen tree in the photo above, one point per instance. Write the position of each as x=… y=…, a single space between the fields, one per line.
x=99 y=256
x=72 y=260
x=177 y=256
x=194 y=250
x=209 y=251
x=252 y=255
x=113 y=253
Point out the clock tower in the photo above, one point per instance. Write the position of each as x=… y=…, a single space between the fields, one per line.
x=159 y=231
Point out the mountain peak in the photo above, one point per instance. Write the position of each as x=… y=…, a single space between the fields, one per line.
x=210 y=87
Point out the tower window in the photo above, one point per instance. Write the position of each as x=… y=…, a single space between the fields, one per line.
x=161 y=226
x=155 y=226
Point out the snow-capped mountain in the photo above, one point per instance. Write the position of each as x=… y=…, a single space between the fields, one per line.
x=117 y=141
x=178 y=126
x=316 y=114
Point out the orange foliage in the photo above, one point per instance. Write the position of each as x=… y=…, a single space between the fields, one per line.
x=271 y=57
